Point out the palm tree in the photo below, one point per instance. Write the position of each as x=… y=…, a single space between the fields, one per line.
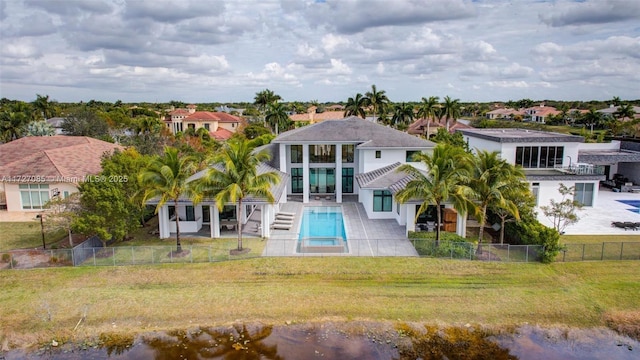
x=491 y=177
x=448 y=169
x=592 y=118
x=402 y=114
x=235 y=176
x=450 y=109
x=355 y=106
x=43 y=107
x=615 y=101
x=624 y=111
x=264 y=98
x=277 y=117
x=166 y=179
x=12 y=124
x=377 y=99
x=428 y=109
x=564 y=112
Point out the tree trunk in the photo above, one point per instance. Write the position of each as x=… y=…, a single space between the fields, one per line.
x=70 y=237
x=502 y=221
x=178 y=245
x=239 y=215
x=481 y=230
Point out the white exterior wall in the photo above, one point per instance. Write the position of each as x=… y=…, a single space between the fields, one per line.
x=366 y=198
x=629 y=170
x=368 y=161
x=482 y=144
x=14 y=201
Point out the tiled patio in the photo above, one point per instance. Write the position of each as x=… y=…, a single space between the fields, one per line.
x=364 y=237
x=597 y=220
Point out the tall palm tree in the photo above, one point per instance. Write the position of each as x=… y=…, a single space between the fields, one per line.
x=615 y=101
x=448 y=170
x=428 y=109
x=166 y=179
x=515 y=198
x=592 y=118
x=355 y=106
x=402 y=114
x=491 y=177
x=450 y=109
x=43 y=107
x=263 y=99
x=277 y=117
x=11 y=124
x=377 y=99
x=234 y=177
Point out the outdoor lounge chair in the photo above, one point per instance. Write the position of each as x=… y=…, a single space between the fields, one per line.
x=625 y=225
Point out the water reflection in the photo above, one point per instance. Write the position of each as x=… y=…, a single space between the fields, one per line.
x=364 y=340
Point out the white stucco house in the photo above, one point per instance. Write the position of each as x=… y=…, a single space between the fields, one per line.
x=340 y=160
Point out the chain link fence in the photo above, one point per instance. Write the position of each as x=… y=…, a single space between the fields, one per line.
x=600 y=251
x=221 y=251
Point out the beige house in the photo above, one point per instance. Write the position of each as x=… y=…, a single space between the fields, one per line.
x=183 y=119
x=35 y=169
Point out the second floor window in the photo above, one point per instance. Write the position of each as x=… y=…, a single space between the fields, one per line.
x=296 y=154
x=322 y=153
x=539 y=156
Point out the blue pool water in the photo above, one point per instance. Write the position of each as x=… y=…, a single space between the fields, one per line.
x=322 y=222
x=634 y=203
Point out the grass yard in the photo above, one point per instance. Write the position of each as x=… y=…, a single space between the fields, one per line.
x=42 y=304
x=26 y=235
x=599 y=239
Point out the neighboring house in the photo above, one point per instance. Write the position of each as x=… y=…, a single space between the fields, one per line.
x=612 y=109
x=540 y=113
x=35 y=169
x=312 y=117
x=56 y=123
x=181 y=119
x=424 y=126
x=229 y=110
x=548 y=159
x=332 y=160
x=504 y=113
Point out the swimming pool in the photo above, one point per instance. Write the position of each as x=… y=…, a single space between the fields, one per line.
x=322 y=230
x=634 y=203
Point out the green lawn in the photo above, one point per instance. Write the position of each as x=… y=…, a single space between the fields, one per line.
x=26 y=235
x=42 y=304
x=599 y=239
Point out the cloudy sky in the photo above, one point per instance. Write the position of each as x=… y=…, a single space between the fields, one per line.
x=224 y=51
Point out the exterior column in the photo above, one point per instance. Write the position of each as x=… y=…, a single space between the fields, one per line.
x=338 y=173
x=461 y=225
x=215 y=221
x=264 y=220
x=283 y=158
x=211 y=227
x=411 y=218
x=305 y=173
x=163 y=222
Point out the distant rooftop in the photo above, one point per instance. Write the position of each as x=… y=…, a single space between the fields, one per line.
x=520 y=135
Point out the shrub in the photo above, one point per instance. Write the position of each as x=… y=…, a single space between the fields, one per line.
x=451 y=245
x=6 y=258
x=533 y=232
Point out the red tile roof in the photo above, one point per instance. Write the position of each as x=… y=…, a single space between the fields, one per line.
x=179 y=112
x=313 y=116
x=212 y=116
x=53 y=156
x=221 y=134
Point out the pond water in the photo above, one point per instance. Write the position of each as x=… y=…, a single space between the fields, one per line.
x=357 y=340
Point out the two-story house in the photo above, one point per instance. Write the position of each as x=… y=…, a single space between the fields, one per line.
x=548 y=159
x=219 y=124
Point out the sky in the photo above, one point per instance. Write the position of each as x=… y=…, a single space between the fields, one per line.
x=226 y=51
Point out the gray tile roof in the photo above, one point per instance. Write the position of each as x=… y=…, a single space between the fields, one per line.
x=557 y=175
x=353 y=130
x=520 y=135
x=384 y=178
x=604 y=157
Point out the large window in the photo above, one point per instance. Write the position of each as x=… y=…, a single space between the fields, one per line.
x=382 y=200
x=322 y=153
x=539 y=156
x=322 y=180
x=584 y=194
x=347 y=180
x=296 y=181
x=191 y=213
x=410 y=154
x=296 y=154
x=34 y=196
x=348 y=151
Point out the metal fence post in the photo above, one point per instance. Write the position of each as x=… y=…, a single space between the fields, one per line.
x=133 y=256
x=113 y=255
x=602 y=253
x=508 y=253
x=583 y=245
x=527 y=257
x=73 y=261
x=94 y=257
x=621 y=247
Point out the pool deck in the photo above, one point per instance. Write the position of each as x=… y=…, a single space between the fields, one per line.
x=597 y=220
x=365 y=237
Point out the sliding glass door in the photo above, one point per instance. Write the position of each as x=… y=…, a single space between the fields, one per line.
x=322 y=180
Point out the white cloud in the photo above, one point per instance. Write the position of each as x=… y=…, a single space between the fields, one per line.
x=339 y=68
x=331 y=42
